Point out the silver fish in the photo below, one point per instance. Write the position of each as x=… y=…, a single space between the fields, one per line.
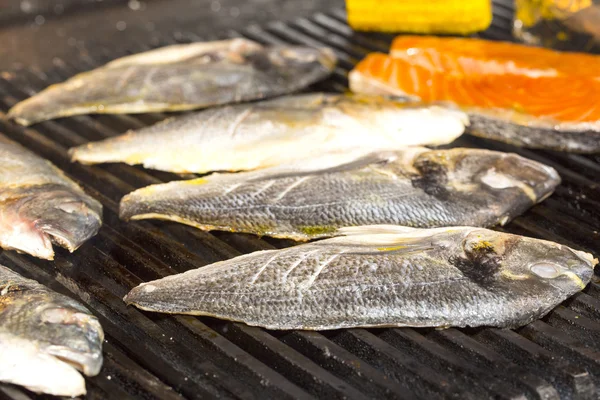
x=39 y=205
x=310 y=199
x=181 y=77
x=268 y=133
x=45 y=338
x=381 y=276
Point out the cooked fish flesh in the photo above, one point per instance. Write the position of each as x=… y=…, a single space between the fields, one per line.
x=39 y=205
x=45 y=338
x=381 y=276
x=268 y=133
x=518 y=102
x=181 y=77
x=310 y=199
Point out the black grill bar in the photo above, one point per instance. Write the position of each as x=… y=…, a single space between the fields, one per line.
x=153 y=356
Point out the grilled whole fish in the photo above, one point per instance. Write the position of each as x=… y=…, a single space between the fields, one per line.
x=45 y=338
x=39 y=205
x=181 y=77
x=414 y=187
x=258 y=135
x=381 y=276
x=524 y=100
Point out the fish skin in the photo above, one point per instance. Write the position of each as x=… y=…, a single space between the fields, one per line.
x=310 y=199
x=181 y=77
x=45 y=338
x=583 y=141
x=268 y=133
x=39 y=205
x=566 y=127
x=381 y=276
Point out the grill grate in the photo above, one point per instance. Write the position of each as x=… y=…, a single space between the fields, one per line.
x=153 y=356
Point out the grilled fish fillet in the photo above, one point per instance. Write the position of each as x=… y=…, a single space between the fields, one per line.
x=181 y=77
x=310 y=199
x=39 y=205
x=381 y=276
x=268 y=133
x=468 y=56
x=45 y=338
x=508 y=101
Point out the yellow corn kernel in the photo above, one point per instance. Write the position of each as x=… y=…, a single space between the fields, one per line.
x=430 y=16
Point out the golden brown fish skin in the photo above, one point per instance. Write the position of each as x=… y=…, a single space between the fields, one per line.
x=39 y=205
x=47 y=336
x=381 y=276
x=181 y=77
x=414 y=187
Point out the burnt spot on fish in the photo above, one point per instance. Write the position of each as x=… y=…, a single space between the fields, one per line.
x=480 y=265
x=433 y=178
x=260 y=61
x=483 y=256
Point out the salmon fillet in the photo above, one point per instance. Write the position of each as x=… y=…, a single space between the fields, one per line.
x=558 y=112
x=478 y=56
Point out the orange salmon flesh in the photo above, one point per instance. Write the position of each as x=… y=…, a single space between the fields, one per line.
x=528 y=86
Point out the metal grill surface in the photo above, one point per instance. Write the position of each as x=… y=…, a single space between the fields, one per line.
x=153 y=356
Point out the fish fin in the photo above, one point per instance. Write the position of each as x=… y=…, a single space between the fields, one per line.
x=375 y=230
x=391 y=238
x=181 y=52
x=325 y=164
x=394 y=250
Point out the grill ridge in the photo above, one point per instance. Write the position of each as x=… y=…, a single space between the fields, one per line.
x=151 y=356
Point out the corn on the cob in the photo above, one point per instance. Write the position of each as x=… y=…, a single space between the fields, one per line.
x=429 y=16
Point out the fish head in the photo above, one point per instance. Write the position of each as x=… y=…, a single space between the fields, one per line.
x=298 y=61
x=58 y=327
x=34 y=217
x=542 y=266
x=490 y=172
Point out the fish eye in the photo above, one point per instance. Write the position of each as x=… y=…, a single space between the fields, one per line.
x=497 y=180
x=546 y=270
x=54 y=315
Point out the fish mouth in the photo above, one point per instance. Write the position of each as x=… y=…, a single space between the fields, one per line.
x=35 y=217
x=85 y=350
x=87 y=362
x=582 y=273
x=37 y=370
x=71 y=236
